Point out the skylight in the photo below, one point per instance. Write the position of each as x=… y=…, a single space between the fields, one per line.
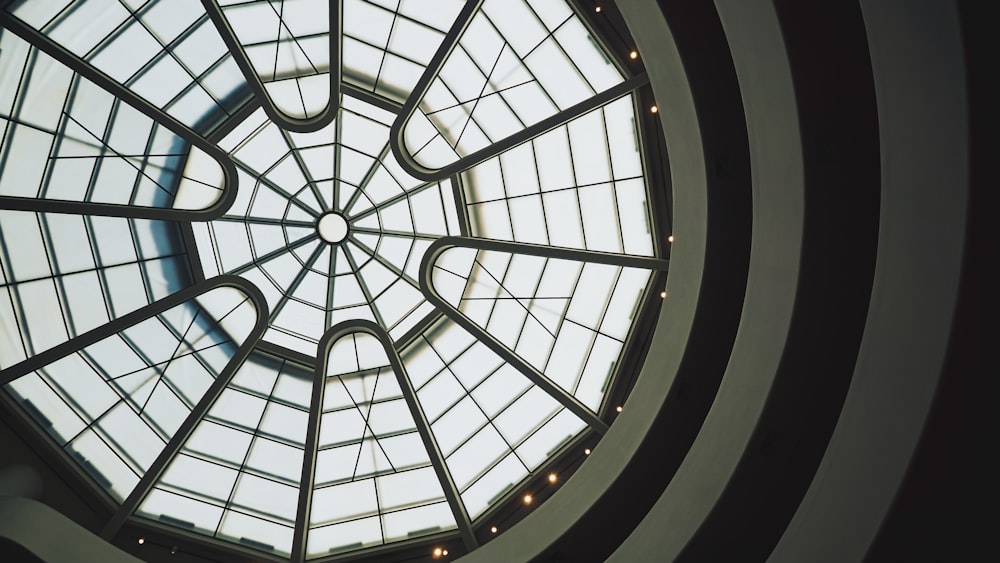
x=308 y=293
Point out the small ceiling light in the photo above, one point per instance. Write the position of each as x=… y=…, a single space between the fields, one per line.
x=663 y=295
x=173 y=550
x=552 y=478
x=670 y=238
x=445 y=553
x=653 y=109
x=633 y=55
x=438 y=552
x=597 y=9
x=493 y=530
x=528 y=498
x=619 y=407
x=142 y=541
x=586 y=451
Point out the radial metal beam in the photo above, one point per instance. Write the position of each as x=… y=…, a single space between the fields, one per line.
x=83 y=68
x=435 y=250
x=201 y=408
x=451 y=492
x=283 y=120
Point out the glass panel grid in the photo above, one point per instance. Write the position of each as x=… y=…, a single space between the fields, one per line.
x=489 y=420
x=62 y=137
x=114 y=404
x=166 y=51
x=63 y=275
x=387 y=45
x=516 y=63
x=374 y=482
x=240 y=470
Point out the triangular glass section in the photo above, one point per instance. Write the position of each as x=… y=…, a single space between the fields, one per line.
x=66 y=139
x=114 y=404
x=516 y=63
x=566 y=318
x=493 y=426
x=238 y=475
x=374 y=482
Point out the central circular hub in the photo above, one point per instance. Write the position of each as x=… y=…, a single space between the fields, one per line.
x=332 y=227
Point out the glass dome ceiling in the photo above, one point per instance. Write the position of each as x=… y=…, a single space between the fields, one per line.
x=311 y=281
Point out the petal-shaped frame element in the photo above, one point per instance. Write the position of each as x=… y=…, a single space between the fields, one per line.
x=533 y=374
x=451 y=41
x=451 y=492
x=78 y=65
x=200 y=408
x=287 y=122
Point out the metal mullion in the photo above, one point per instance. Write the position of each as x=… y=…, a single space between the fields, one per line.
x=391 y=267
x=562 y=50
x=555 y=190
x=181 y=166
x=108 y=152
x=372 y=98
x=264 y=221
x=461 y=206
x=401 y=234
x=258 y=261
x=175 y=443
x=253 y=439
x=337 y=149
x=331 y=281
x=385 y=51
x=43 y=229
x=242 y=60
x=305 y=170
x=307 y=482
x=612 y=182
x=166 y=49
x=295 y=283
x=138 y=254
x=475 y=103
x=569 y=300
x=527 y=309
x=418 y=329
x=404 y=194
x=166 y=365
x=58 y=135
x=367 y=178
x=364 y=288
x=263 y=179
x=361 y=440
x=98 y=77
x=489 y=420
x=293 y=38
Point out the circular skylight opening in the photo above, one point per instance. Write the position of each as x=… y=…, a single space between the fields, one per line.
x=332 y=228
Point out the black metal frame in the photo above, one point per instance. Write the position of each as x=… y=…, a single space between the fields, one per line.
x=449 y=44
x=451 y=492
x=78 y=65
x=439 y=246
x=120 y=324
x=466 y=530
x=298 y=125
